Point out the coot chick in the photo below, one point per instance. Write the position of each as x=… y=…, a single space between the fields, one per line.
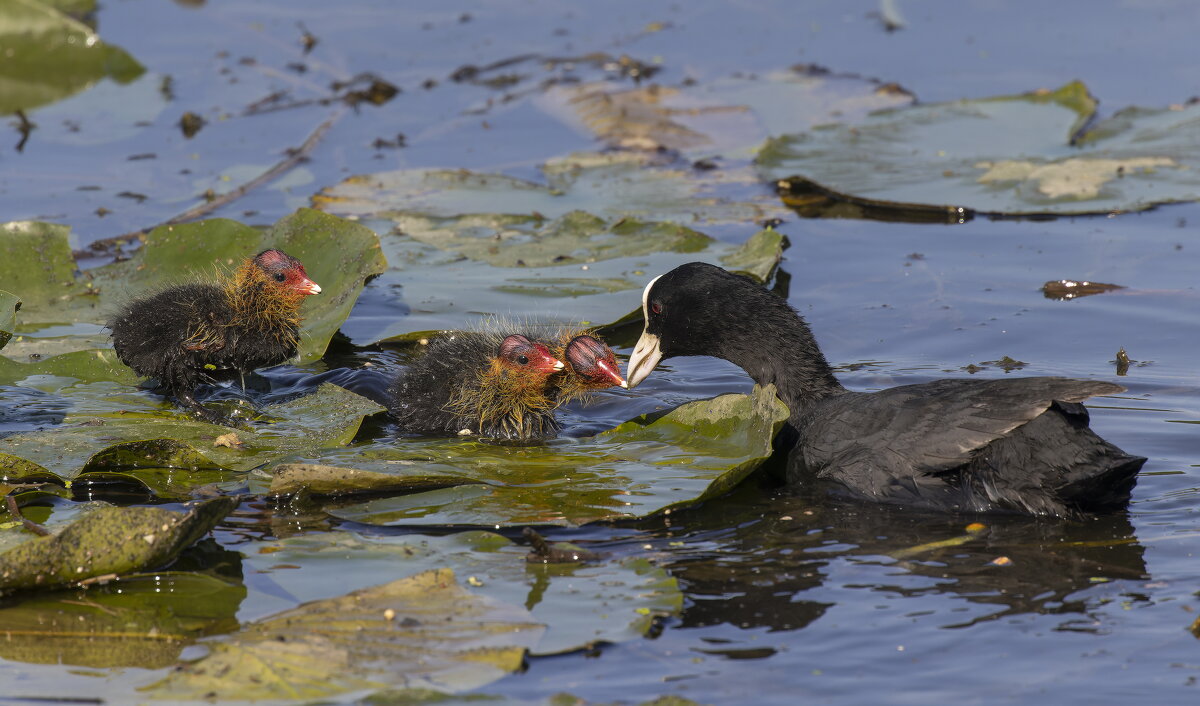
x=204 y=332
x=590 y=365
x=478 y=382
x=1019 y=445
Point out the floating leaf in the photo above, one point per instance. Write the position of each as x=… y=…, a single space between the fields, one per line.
x=645 y=466
x=109 y=540
x=141 y=621
x=49 y=56
x=64 y=313
x=424 y=632
x=611 y=600
x=170 y=452
x=90 y=365
x=1018 y=155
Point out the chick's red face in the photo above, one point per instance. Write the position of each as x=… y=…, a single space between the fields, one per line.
x=594 y=362
x=518 y=352
x=287 y=271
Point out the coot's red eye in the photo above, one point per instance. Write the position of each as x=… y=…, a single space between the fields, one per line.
x=656 y=308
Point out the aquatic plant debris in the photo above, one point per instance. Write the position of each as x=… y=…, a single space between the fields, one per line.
x=1028 y=154
x=649 y=465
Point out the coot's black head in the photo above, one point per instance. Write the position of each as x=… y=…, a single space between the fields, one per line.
x=700 y=309
x=286 y=271
x=690 y=311
x=594 y=362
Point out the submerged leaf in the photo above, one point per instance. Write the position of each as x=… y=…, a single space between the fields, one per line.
x=49 y=56
x=422 y=632
x=1022 y=154
x=64 y=313
x=109 y=540
x=645 y=466
x=727 y=116
x=141 y=621
x=609 y=600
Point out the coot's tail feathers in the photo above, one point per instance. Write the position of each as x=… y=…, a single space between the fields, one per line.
x=1065 y=468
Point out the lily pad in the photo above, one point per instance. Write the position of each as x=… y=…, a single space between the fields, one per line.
x=1009 y=155
x=423 y=632
x=65 y=312
x=726 y=116
x=611 y=600
x=119 y=435
x=109 y=540
x=9 y=305
x=49 y=56
x=86 y=365
x=645 y=466
x=141 y=621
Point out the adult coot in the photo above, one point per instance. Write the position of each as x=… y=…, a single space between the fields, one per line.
x=1019 y=444
x=205 y=332
x=478 y=382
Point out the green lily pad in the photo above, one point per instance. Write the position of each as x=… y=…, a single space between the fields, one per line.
x=611 y=600
x=64 y=313
x=141 y=621
x=119 y=434
x=85 y=365
x=1013 y=155
x=49 y=56
x=424 y=632
x=729 y=117
x=9 y=305
x=110 y=540
x=645 y=466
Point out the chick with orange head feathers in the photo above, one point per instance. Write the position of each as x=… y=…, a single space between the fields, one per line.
x=482 y=383
x=205 y=332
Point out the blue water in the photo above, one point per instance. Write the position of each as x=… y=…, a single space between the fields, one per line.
x=790 y=598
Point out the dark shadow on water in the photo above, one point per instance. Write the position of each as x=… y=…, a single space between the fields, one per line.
x=752 y=556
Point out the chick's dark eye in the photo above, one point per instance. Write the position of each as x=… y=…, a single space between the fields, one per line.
x=279 y=277
x=523 y=359
x=656 y=308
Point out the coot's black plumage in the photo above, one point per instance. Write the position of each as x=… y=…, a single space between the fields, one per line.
x=478 y=382
x=1019 y=444
x=208 y=332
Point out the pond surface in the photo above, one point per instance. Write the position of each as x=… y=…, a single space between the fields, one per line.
x=788 y=597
